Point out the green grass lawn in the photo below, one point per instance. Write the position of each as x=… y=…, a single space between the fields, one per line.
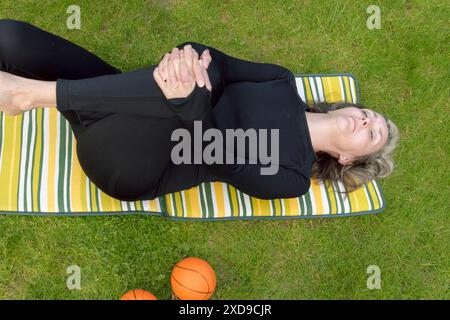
x=403 y=72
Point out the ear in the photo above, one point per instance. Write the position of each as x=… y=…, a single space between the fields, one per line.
x=345 y=161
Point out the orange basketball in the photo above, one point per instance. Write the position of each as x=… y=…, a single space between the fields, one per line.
x=138 y=294
x=193 y=279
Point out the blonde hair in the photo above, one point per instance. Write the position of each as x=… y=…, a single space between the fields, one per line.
x=364 y=168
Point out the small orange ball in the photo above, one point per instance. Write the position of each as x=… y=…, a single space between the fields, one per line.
x=138 y=294
x=193 y=279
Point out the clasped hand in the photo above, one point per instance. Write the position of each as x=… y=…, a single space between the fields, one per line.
x=179 y=71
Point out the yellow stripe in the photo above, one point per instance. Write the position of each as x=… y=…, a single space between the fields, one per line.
x=52 y=162
x=152 y=204
x=77 y=204
x=318 y=197
x=362 y=199
x=169 y=204
x=331 y=88
x=264 y=205
x=195 y=202
x=347 y=89
x=178 y=203
x=234 y=202
x=292 y=207
x=277 y=207
x=308 y=94
x=219 y=198
x=11 y=154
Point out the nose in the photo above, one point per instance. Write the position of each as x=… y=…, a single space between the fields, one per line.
x=364 y=121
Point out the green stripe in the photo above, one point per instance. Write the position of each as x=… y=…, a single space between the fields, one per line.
x=338 y=196
x=174 y=204
x=244 y=207
x=327 y=195
x=343 y=86
x=369 y=195
x=209 y=199
x=202 y=200
x=41 y=159
x=309 y=201
x=69 y=169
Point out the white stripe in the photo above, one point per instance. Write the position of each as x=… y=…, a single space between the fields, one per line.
x=366 y=192
x=100 y=205
x=66 y=167
x=146 y=205
x=241 y=209
x=336 y=198
x=301 y=200
x=320 y=89
x=323 y=190
x=31 y=162
x=313 y=89
x=342 y=89
x=301 y=91
x=203 y=191
x=73 y=152
x=227 y=200
x=283 y=208
x=344 y=198
x=58 y=144
x=132 y=205
x=22 y=161
x=88 y=195
x=352 y=89
x=183 y=203
x=44 y=178
x=380 y=199
x=213 y=196
x=248 y=204
x=271 y=208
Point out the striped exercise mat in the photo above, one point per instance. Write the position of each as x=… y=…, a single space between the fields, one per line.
x=40 y=174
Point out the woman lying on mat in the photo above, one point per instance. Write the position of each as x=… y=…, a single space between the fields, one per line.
x=129 y=125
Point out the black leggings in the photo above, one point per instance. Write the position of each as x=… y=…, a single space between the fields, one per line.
x=121 y=121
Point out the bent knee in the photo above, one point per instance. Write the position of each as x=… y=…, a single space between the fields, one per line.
x=12 y=37
x=132 y=186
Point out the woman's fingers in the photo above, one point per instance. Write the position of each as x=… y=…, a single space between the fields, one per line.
x=184 y=71
x=197 y=69
x=188 y=53
x=159 y=80
x=206 y=78
x=162 y=67
x=206 y=58
x=172 y=69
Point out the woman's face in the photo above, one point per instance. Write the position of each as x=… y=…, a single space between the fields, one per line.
x=361 y=131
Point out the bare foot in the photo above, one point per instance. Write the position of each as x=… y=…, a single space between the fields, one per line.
x=15 y=99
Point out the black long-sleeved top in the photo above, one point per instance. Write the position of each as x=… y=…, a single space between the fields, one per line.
x=247 y=95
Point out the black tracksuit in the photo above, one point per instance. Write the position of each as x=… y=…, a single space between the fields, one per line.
x=123 y=122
